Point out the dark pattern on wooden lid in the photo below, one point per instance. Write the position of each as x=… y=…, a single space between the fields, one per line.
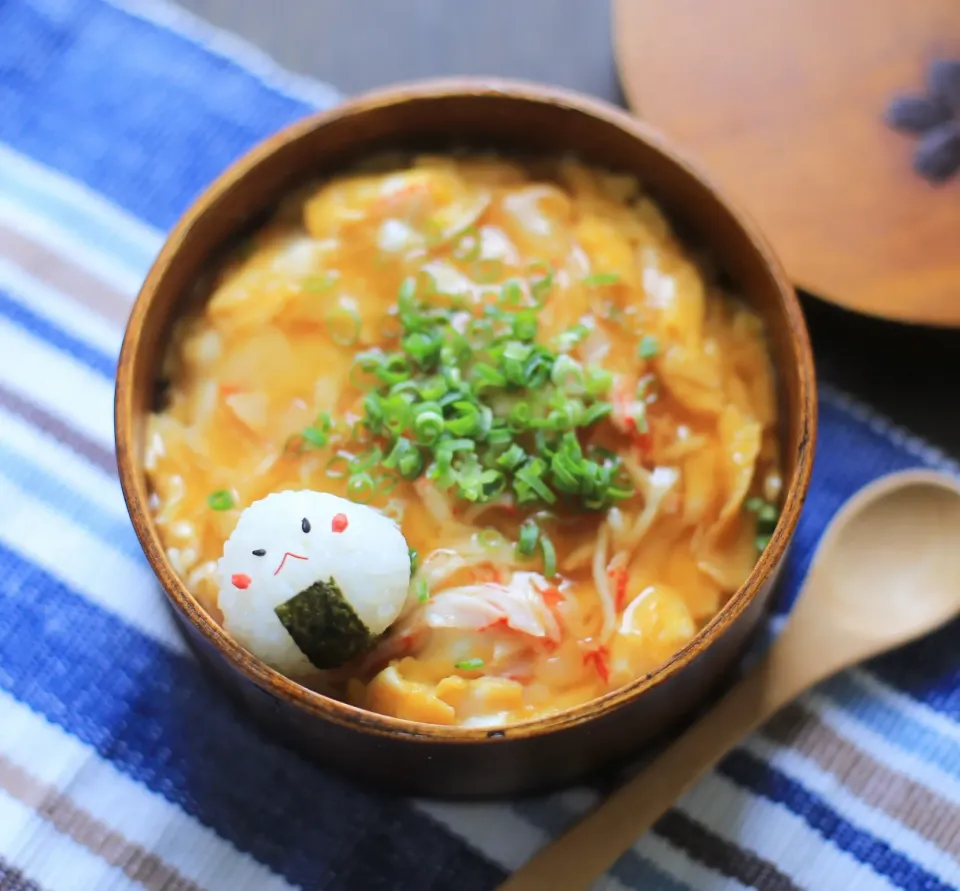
x=935 y=118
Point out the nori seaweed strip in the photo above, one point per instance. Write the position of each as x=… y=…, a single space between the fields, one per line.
x=324 y=625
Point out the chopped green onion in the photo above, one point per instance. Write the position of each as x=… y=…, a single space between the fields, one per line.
x=598 y=380
x=601 y=279
x=525 y=325
x=549 y=557
x=344 y=325
x=489 y=538
x=366 y=460
x=529 y=535
x=414 y=560
x=394 y=370
x=541 y=284
x=761 y=542
x=428 y=423
x=222 y=499
x=512 y=457
x=469 y=664
x=423 y=347
x=338 y=467
x=421 y=590
x=649 y=347
x=528 y=482
x=571 y=337
x=405 y=458
x=511 y=294
x=385 y=483
x=457 y=445
x=596 y=412
x=314 y=437
x=767 y=512
x=316 y=284
x=754 y=504
x=360 y=487
x=473 y=401
x=432 y=232
x=468 y=246
x=567 y=374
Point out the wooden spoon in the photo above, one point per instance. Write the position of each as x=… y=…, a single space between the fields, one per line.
x=887 y=571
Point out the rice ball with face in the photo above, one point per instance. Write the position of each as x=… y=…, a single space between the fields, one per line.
x=309 y=580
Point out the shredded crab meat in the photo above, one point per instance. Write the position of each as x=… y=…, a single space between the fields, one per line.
x=438 y=507
x=580 y=557
x=439 y=566
x=654 y=486
x=602 y=582
x=519 y=604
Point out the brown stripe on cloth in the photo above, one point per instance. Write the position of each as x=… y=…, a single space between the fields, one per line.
x=52 y=805
x=720 y=855
x=877 y=785
x=61 y=431
x=58 y=272
x=11 y=879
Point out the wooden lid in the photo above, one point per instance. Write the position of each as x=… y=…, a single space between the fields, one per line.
x=784 y=103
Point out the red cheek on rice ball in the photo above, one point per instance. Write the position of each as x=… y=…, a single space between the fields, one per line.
x=240 y=580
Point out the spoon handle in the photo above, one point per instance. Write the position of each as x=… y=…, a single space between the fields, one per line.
x=576 y=859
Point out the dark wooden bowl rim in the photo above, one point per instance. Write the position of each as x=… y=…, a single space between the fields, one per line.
x=134 y=488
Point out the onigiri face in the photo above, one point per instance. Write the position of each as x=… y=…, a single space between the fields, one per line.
x=291 y=540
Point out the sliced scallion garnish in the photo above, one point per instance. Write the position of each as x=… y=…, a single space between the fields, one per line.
x=222 y=499
x=649 y=347
x=601 y=279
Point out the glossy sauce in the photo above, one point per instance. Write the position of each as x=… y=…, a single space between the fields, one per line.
x=275 y=346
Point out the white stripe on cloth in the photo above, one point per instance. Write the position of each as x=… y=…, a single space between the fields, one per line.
x=57 y=383
x=813 y=778
x=496 y=830
x=62 y=241
x=777 y=835
x=50 y=858
x=45 y=193
x=89 y=565
x=882 y=749
x=124 y=805
x=55 y=459
x=59 y=309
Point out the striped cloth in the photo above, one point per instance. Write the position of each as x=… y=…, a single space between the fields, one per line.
x=121 y=766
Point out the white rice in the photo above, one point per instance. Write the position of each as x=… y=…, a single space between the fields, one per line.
x=368 y=560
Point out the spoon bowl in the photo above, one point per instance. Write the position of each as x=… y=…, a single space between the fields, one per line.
x=887 y=571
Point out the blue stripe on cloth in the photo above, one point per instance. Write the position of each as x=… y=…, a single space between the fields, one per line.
x=928 y=670
x=138 y=113
x=893 y=724
x=158 y=718
x=33 y=480
x=56 y=337
x=760 y=778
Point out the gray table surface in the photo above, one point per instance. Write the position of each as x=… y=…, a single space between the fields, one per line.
x=909 y=374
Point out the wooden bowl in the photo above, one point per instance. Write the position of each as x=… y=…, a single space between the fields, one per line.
x=425 y=759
